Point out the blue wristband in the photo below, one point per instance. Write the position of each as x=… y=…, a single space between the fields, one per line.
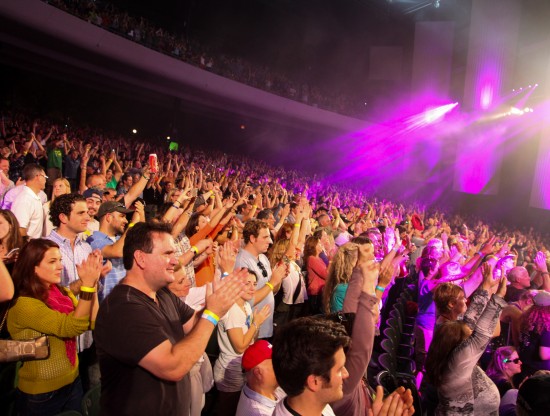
x=380 y=288
x=210 y=318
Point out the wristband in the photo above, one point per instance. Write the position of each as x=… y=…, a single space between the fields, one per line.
x=380 y=288
x=212 y=314
x=86 y=295
x=145 y=177
x=480 y=254
x=225 y=274
x=269 y=285
x=131 y=224
x=175 y=206
x=210 y=319
x=87 y=289
x=195 y=249
x=297 y=225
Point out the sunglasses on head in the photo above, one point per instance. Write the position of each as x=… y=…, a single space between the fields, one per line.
x=262 y=268
x=508 y=360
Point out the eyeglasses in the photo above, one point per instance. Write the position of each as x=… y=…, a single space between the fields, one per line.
x=44 y=175
x=262 y=268
x=508 y=360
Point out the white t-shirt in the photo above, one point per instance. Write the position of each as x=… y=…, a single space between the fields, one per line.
x=228 y=373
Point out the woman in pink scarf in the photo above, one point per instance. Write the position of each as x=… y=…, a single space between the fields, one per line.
x=42 y=306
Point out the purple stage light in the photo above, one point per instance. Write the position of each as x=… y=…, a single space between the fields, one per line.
x=434 y=114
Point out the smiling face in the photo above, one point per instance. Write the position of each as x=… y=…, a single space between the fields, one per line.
x=181 y=284
x=49 y=269
x=250 y=287
x=158 y=266
x=333 y=389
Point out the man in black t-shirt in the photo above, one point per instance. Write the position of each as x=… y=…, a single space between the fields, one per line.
x=147 y=339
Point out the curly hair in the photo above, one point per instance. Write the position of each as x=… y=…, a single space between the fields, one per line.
x=63 y=204
x=339 y=271
x=252 y=228
x=536 y=318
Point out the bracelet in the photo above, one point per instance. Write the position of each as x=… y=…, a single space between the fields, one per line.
x=269 y=285
x=86 y=296
x=480 y=254
x=130 y=225
x=297 y=224
x=195 y=249
x=212 y=314
x=87 y=289
x=175 y=206
x=380 y=288
x=177 y=202
x=146 y=177
x=210 y=319
x=254 y=206
x=225 y=274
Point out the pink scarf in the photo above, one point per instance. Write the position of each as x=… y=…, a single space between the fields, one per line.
x=62 y=303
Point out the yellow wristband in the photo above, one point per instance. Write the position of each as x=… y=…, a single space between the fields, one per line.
x=212 y=314
x=195 y=249
x=269 y=285
x=87 y=289
x=297 y=225
x=131 y=225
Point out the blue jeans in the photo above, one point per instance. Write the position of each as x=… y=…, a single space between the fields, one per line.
x=68 y=397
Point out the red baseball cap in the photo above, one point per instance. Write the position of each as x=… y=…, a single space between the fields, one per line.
x=255 y=354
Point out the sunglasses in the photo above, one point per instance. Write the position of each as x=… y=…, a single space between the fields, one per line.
x=515 y=360
x=262 y=268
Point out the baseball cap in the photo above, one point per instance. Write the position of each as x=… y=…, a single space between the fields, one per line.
x=91 y=192
x=112 y=206
x=256 y=354
x=542 y=298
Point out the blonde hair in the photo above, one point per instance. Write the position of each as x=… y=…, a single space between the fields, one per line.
x=67 y=187
x=339 y=271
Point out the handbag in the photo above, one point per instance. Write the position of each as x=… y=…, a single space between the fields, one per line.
x=23 y=349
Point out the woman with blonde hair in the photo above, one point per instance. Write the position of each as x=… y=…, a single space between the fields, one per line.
x=339 y=273
x=502 y=368
x=293 y=286
x=60 y=186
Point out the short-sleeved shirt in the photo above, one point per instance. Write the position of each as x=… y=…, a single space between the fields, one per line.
x=129 y=325
x=98 y=240
x=27 y=208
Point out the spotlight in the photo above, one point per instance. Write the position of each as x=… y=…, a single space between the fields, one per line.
x=134 y=131
x=243 y=127
x=516 y=111
x=436 y=4
x=167 y=137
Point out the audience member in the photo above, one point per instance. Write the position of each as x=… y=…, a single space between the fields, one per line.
x=43 y=306
x=144 y=369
